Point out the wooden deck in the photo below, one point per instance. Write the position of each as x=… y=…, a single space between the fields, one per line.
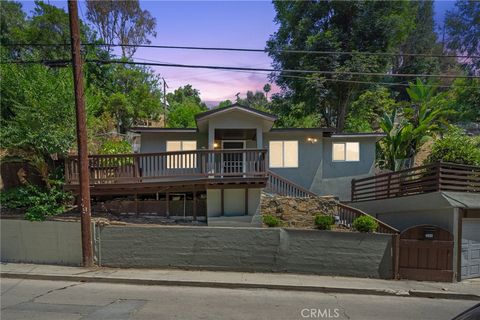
x=424 y=179
x=171 y=171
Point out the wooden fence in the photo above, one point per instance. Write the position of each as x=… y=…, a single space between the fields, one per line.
x=429 y=178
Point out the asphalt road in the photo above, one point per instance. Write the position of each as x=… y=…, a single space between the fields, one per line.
x=38 y=300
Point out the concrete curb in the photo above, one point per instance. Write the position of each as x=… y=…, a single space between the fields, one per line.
x=237 y=285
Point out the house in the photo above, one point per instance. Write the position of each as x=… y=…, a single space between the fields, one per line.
x=221 y=166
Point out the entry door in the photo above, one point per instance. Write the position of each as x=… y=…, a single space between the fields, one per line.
x=470 y=248
x=233 y=162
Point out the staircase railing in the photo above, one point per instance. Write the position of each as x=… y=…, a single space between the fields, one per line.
x=285 y=187
x=347 y=214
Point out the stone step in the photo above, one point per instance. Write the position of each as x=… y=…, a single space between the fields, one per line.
x=235 y=221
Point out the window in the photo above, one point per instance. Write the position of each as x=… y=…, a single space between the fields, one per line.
x=283 y=154
x=184 y=161
x=346 y=151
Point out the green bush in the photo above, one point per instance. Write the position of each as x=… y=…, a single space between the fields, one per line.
x=271 y=221
x=456 y=147
x=324 y=222
x=365 y=224
x=37 y=202
x=115 y=146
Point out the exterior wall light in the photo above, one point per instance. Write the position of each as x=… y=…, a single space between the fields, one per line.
x=312 y=140
x=215 y=145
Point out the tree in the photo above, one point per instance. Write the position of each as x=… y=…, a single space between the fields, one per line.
x=365 y=112
x=463 y=30
x=291 y=115
x=184 y=103
x=335 y=26
x=224 y=104
x=133 y=96
x=256 y=100
x=12 y=21
x=267 y=88
x=421 y=39
x=122 y=21
x=42 y=121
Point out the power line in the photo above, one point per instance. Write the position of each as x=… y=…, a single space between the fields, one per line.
x=356 y=81
x=176 y=65
x=193 y=66
x=369 y=53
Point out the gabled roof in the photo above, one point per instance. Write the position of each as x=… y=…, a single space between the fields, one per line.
x=161 y=129
x=235 y=106
x=307 y=130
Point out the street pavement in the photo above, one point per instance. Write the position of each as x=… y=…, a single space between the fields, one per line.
x=468 y=289
x=45 y=299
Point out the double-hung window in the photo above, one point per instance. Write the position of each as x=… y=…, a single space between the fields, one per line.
x=182 y=161
x=283 y=154
x=346 y=151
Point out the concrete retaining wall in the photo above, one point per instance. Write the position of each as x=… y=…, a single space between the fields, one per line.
x=247 y=249
x=49 y=242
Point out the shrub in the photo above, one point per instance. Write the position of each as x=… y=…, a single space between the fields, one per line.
x=324 y=222
x=456 y=147
x=365 y=224
x=271 y=221
x=114 y=146
x=37 y=202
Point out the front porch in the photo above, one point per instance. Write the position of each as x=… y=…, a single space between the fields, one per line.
x=196 y=170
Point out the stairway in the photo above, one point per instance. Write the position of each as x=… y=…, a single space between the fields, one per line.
x=284 y=187
x=236 y=221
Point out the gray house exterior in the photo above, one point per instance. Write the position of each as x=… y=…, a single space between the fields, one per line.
x=304 y=156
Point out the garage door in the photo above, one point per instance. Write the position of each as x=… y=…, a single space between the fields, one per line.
x=471 y=248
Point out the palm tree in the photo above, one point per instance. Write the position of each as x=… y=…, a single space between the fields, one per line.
x=267 y=88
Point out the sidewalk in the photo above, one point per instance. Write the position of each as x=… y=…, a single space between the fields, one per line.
x=468 y=290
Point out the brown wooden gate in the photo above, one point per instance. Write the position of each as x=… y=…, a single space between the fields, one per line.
x=426 y=253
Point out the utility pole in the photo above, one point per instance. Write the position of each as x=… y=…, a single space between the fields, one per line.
x=165 y=86
x=87 y=253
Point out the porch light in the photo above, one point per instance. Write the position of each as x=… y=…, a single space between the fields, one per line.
x=312 y=140
x=215 y=145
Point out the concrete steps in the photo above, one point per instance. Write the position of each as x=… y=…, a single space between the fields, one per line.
x=252 y=221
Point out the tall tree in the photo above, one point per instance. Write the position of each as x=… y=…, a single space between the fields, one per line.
x=335 y=26
x=123 y=21
x=267 y=88
x=256 y=100
x=422 y=39
x=183 y=104
x=463 y=30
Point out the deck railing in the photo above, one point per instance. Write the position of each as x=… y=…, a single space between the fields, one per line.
x=429 y=178
x=145 y=167
x=285 y=187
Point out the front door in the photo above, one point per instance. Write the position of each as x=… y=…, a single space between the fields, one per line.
x=233 y=162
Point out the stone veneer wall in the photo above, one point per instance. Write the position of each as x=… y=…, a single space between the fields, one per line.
x=297 y=212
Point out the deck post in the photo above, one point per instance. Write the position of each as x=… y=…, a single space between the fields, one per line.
x=222 y=202
x=167 y=199
x=246 y=201
x=194 y=203
x=352 y=189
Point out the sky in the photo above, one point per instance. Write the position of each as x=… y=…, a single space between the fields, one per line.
x=241 y=24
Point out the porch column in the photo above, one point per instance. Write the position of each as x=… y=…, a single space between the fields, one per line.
x=259 y=138
x=211 y=157
x=211 y=137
